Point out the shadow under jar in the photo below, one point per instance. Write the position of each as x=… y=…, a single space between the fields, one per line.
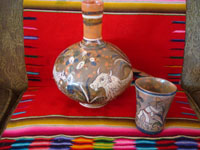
x=92 y=71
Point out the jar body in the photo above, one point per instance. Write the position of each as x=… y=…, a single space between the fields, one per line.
x=92 y=73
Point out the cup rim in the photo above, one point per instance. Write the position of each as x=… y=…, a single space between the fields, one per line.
x=155 y=93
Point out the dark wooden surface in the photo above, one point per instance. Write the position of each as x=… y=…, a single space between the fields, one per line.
x=13 y=80
x=191 y=69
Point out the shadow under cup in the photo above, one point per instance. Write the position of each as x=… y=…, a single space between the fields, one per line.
x=154 y=97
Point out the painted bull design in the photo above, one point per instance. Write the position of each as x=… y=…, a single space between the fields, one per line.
x=111 y=84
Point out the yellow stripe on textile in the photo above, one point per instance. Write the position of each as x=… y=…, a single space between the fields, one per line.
x=95 y=121
x=54 y=5
x=145 y=7
x=71 y=122
x=183 y=123
x=108 y=6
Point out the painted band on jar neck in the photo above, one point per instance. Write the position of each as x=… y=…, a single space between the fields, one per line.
x=92 y=16
x=92 y=40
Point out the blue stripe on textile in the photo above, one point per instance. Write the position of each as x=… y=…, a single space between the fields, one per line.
x=178 y=40
x=187 y=143
x=22 y=144
x=19 y=113
x=145 y=142
x=62 y=144
x=178 y=22
x=175 y=82
x=19 y=148
x=190 y=114
x=61 y=139
x=181 y=102
x=31 y=38
x=22 y=140
x=30 y=18
x=26 y=100
x=147 y=148
x=32 y=73
x=174 y=74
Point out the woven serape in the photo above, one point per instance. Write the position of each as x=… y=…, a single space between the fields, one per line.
x=47 y=119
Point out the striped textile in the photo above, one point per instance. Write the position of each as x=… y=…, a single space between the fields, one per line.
x=94 y=126
x=141 y=6
x=100 y=143
x=47 y=119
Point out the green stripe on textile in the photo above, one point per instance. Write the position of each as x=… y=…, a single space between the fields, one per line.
x=103 y=143
x=104 y=139
x=31 y=56
x=98 y=146
x=176 y=57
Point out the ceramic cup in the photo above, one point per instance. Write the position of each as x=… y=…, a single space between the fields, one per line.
x=154 y=96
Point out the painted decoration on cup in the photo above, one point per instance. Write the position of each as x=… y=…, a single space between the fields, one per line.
x=154 y=97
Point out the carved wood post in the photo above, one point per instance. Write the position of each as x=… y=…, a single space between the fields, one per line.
x=191 y=68
x=13 y=80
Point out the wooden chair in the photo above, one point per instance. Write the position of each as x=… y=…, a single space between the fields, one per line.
x=13 y=81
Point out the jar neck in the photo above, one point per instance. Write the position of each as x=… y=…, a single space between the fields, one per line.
x=92 y=12
x=92 y=44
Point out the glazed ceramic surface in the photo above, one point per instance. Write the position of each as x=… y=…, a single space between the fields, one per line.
x=92 y=71
x=154 y=97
